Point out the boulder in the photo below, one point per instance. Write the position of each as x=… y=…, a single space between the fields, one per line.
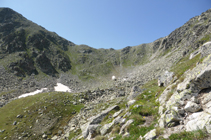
x=205 y=49
x=127 y=134
x=117 y=113
x=165 y=79
x=92 y=131
x=105 y=128
x=172 y=116
x=150 y=135
x=206 y=98
x=192 y=107
x=123 y=128
x=131 y=102
x=197 y=121
x=195 y=53
x=207 y=107
x=161 y=121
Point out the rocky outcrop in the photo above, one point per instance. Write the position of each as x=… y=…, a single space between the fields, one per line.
x=45 y=65
x=88 y=128
x=189 y=105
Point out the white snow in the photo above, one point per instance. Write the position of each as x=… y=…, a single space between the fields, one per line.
x=62 y=88
x=32 y=93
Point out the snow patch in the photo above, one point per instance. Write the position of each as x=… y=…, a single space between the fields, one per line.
x=33 y=93
x=62 y=88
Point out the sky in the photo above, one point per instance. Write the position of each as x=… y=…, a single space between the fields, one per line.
x=109 y=23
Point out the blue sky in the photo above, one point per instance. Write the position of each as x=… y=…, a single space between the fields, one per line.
x=109 y=23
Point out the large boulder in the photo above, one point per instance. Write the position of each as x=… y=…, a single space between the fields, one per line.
x=172 y=117
x=205 y=49
x=197 y=121
x=165 y=79
x=192 y=107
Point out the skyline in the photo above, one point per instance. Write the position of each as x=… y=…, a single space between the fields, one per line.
x=109 y=24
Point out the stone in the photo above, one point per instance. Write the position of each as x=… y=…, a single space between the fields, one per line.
x=122 y=130
x=118 y=120
x=54 y=137
x=161 y=121
x=197 y=121
x=123 y=120
x=195 y=53
x=208 y=128
x=15 y=122
x=192 y=107
x=207 y=107
x=127 y=134
x=173 y=116
x=92 y=131
x=127 y=114
x=117 y=113
x=165 y=79
x=131 y=102
x=194 y=99
x=150 y=135
x=206 y=98
x=205 y=49
x=44 y=136
x=105 y=128
x=160 y=111
x=19 y=116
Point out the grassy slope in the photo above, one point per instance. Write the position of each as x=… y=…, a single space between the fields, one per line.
x=56 y=107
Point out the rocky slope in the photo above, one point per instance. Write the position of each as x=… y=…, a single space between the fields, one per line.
x=160 y=88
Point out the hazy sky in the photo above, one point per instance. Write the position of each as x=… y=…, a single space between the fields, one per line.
x=109 y=23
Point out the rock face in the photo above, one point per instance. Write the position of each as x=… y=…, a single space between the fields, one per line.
x=45 y=65
x=192 y=96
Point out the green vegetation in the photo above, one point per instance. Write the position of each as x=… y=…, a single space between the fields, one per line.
x=184 y=64
x=148 y=108
x=54 y=109
x=206 y=38
x=195 y=135
x=74 y=134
